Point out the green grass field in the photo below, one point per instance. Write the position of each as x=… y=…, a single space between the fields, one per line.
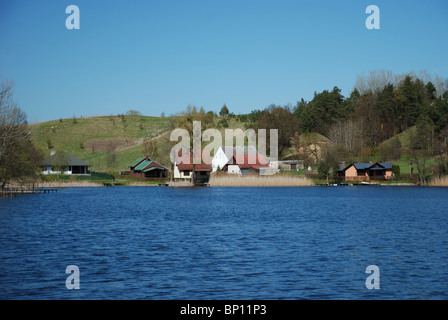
x=87 y=138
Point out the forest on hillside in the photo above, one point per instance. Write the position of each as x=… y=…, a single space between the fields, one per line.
x=365 y=123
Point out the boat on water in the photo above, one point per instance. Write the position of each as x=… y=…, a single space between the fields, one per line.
x=370 y=183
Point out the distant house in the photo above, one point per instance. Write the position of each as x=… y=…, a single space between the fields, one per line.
x=65 y=163
x=244 y=164
x=225 y=154
x=184 y=171
x=241 y=160
x=366 y=171
x=144 y=167
x=287 y=164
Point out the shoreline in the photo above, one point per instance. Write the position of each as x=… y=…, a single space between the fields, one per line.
x=254 y=181
x=67 y=185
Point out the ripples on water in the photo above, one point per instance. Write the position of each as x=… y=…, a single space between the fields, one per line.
x=226 y=243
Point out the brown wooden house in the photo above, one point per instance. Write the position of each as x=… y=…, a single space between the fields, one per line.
x=146 y=168
x=366 y=171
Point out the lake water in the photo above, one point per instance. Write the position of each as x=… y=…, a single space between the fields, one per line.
x=226 y=243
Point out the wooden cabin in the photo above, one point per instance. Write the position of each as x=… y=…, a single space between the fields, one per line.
x=366 y=171
x=144 y=167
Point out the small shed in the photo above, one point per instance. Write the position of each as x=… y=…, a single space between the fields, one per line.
x=287 y=164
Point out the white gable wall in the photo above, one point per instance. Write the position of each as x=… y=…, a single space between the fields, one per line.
x=220 y=159
x=224 y=154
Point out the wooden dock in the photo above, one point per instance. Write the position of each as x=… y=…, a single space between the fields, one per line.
x=12 y=192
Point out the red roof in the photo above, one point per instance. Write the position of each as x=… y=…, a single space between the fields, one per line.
x=154 y=164
x=189 y=166
x=246 y=161
x=197 y=167
x=145 y=163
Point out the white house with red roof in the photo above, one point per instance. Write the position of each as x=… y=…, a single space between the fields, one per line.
x=248 y=164
x=241 y=160
x=224 y=154
x=184 y=171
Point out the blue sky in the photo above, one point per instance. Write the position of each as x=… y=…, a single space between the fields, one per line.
x=160 y=56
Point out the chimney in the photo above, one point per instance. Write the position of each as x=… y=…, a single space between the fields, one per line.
x=52 y=152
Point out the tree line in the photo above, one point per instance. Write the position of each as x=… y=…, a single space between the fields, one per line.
x=19 y=157
x=357 y=126
x=362 y=119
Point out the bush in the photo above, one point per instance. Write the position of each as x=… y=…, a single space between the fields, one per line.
x=133 y=113
x=49 y=144
x=365 y=154
x=423 y=136
x=324 y=170
x=390 y=150
x=223 y=123
x=396 y=171
x=224 y=111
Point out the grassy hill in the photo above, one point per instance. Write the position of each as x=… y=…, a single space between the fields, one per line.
x=407 y=150
x=89 y=138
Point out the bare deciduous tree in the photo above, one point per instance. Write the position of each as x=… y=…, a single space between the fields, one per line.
x=374 y=81
x=13 y=124
x=344 y=133
x=150 y=148
x=19 y=158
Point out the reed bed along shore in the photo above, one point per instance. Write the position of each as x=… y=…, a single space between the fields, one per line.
x=439 y=182
x=260 y=181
